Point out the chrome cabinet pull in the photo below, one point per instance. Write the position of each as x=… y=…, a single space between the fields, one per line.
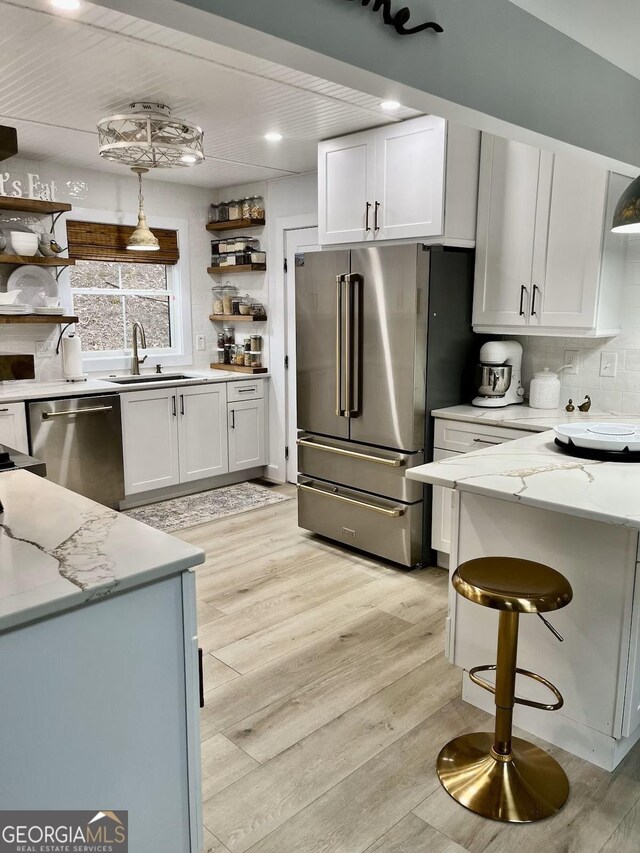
x=367 y=227
x=523 y=290
x=376 y=227
x=533 y=300
x=391 y=513
x=351 y=454
x=67 y=412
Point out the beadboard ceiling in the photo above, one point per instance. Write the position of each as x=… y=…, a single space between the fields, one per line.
x=62 y=73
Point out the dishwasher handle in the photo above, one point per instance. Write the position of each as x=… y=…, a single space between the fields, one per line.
x=90 y=410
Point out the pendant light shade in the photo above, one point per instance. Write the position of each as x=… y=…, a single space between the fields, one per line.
x=142 y=239
x=626 y=219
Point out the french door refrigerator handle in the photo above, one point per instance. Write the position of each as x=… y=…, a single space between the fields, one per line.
x=396 y=512
x=352 y=361
x=339 y=281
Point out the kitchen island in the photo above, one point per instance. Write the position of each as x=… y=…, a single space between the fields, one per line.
x=528 y=499
x=98 y=664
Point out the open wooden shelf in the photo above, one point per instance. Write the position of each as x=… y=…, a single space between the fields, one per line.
x=52 y=319
x=234 y=224
x=236 y=368
x=236 y=318
x=38 y=260
x=236 y=269
x=32 y=205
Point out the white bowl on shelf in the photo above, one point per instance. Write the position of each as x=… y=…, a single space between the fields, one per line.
x=24 y=242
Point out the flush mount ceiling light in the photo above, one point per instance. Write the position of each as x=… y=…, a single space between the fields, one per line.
x=66 y=5
x=142 y=239
x=626 y=219
x=390 y=106
x=150 y=137
x=273 y=136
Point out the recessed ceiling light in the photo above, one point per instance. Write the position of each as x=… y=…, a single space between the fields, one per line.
x=66 y=5
x=189 y=158
x=273 y=136
x=390 y=106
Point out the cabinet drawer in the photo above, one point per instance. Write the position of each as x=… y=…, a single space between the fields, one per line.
x=252 y=389
x=461 y=437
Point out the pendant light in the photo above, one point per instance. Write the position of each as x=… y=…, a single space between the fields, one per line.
x=142 y=239
x=626 y=219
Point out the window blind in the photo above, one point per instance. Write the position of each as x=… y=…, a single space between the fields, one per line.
x=97 y=241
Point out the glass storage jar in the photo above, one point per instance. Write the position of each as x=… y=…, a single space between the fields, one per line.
x=245 y=305
x=219 y=355
x=235 y=209
x=213 y=212
x=257 y=207
x=256 y=359
x=256 y=343
x=228 y=292
x=221 y=340
x=246 y=208
x=218 y=304
x=239 y=360
x=229 y=335
x=223 y=211
x=257 y=311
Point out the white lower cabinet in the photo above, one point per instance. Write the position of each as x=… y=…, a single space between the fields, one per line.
x=150 y=440
x=202 y=433
x=13 y=427
x=450 y=439
x=173 y=435
x=247 y=446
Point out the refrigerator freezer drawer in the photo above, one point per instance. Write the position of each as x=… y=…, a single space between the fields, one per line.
x=386 y=528
x=381 y=472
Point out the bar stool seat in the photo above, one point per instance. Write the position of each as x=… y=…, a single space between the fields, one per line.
x=492 y=773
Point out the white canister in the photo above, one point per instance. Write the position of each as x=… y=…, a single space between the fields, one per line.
x=544 y=392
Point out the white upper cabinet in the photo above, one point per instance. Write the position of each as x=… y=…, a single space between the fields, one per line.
x=546 y=262
x=202 y=432
x=390 y=183
x=346 y=179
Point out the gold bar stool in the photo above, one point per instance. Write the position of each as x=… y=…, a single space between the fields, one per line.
x=494 y=774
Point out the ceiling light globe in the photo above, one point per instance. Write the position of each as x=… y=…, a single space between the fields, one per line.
x=273 y=136
x=390 y=106
x=66 y=5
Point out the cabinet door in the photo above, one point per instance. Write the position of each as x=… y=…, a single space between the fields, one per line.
x=202 y=432
x=566 y=268
x=246 y=435
x=345 y=188
x=13 y=427
x=409 y=184
x=441 y=511
x=150 y=439
x=507 y=203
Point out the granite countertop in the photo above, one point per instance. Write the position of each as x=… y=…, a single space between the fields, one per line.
x=524 y=417
x=59 y=550
x=30 y=389
x=533 y=471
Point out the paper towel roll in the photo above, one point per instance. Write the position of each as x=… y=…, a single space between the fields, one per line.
x=72 y=357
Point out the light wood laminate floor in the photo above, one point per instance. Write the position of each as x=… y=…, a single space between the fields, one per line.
x=328 y=698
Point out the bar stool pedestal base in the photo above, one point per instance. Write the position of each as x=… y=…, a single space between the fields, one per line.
x=528 y=787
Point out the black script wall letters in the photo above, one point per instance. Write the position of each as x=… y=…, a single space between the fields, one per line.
x=401 y=18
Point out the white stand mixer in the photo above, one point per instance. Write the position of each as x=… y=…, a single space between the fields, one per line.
x=500 y=375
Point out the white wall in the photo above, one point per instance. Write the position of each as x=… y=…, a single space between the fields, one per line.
x=101 y=191
x=621 y=393
x=284 y=198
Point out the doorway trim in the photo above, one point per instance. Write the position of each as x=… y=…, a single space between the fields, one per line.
x=277 y=468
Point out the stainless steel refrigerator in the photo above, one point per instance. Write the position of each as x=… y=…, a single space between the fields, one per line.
x=383 y=337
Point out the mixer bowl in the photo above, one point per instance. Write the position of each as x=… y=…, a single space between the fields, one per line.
x=493 y=380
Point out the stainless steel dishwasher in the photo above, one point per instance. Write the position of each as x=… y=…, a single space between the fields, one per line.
x=80 y=440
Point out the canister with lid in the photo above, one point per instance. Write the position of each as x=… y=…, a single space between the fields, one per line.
x=544 y=392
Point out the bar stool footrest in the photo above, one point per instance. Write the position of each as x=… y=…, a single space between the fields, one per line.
x=486 y=685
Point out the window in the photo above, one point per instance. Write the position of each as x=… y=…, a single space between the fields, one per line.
x=111 y=288
x=109 y=297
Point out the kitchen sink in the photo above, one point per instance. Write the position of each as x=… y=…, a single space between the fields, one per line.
x=156 y=377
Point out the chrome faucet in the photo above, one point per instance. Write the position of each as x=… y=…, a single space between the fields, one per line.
x=136 y=361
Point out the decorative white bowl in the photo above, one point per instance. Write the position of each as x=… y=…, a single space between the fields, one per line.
x=24 y=242
x=10 y=297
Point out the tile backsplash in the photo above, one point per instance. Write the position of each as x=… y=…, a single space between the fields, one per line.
x=620 y=393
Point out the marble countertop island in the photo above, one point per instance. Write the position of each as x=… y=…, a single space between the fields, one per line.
x=525 y=418
x=533 y=471
x=59 y=550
